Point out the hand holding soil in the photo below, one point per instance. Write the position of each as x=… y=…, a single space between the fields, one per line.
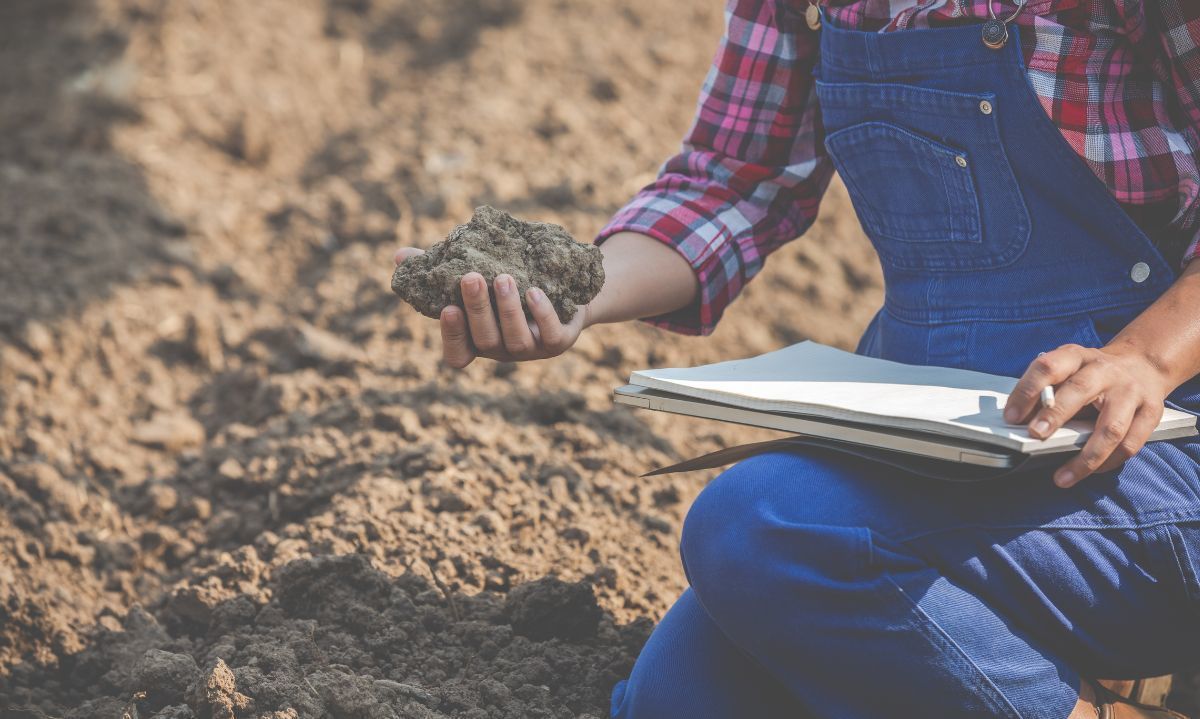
x=519 y=284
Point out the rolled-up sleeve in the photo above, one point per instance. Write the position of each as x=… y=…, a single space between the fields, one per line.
x=752 y=169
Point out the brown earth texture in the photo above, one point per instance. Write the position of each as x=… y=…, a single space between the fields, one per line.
x=234 y=480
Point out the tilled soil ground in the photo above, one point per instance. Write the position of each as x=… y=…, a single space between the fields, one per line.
x=234 y=480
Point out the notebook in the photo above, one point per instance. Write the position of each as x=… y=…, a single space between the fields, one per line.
x=880 y=408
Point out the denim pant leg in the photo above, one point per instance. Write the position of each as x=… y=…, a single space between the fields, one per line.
x=868 y=593
x=690 y=670
x=856 y=626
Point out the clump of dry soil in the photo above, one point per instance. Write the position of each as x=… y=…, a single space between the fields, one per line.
x=535 y=254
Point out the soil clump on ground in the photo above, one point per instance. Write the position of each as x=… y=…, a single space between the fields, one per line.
x=534 y=254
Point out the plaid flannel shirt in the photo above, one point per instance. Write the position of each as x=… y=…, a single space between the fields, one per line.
x=1120 y=78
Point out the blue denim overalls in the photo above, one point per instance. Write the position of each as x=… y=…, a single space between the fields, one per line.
x=824 y=585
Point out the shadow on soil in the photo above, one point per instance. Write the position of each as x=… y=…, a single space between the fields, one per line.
x=75 y=217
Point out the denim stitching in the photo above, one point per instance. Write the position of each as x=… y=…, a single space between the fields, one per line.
x=994 y=696
x=1094 y=523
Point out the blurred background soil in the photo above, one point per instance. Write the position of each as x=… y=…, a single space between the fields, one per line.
x=234 y=480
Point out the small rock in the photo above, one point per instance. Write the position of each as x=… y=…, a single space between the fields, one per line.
x=577 y=535
x=231 y=470
x=321 y=347
x=447 y=499
x=401 y=420
x=204 y=342
x=199 y=508
x=171 y=432
x=656 y=524
x=37 y=338
x=491 y=522
x=217 y=692
x=667 y=496
x=162 y=498
x=557 y=486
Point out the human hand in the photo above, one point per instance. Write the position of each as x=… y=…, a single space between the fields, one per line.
x=1125 y=387
x=502 y=333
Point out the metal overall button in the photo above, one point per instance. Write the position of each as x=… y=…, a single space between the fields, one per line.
x=1140 y=272
x=985 y=107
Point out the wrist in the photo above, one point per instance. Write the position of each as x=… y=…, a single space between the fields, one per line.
x=1149 y=366
x=589 y=315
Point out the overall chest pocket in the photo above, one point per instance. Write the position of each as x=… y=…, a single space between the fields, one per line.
x=906 y=187
x=927 y=173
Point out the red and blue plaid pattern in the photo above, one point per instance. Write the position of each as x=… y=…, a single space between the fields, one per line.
x=1120 y=78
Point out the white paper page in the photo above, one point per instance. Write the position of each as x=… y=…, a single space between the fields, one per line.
x=811 y=378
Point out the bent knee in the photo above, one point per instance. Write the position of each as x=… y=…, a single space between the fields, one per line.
x=727 y=517
x=771 y=520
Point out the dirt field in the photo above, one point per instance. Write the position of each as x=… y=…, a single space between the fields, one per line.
x=233 y=478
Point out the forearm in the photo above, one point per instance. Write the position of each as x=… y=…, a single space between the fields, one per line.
x=1127 y=381
x=1167 y=334
x=643 y=278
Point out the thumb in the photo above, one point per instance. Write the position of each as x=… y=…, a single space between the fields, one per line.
x=405 y=253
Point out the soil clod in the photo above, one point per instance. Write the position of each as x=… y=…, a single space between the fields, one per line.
x=535 y=254
x=553 y=609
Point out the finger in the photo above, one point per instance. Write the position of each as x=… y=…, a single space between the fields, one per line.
x=555 y=338
x=1112 y=426
x=518 y=340
x=481 y=319
x=1073 y=394
x=1145 y=420
x=1047 y=370
x=456 y=344
x=405 y=253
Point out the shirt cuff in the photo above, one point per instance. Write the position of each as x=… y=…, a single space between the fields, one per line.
x=676 y=224
x=1191 y=253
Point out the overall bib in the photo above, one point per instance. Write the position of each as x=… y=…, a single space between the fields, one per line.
x=828 y=586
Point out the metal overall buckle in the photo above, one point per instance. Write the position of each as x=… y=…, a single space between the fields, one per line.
x=995 y=30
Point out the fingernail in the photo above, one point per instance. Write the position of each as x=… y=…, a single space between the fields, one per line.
x=536 y=296
x=1041 y=427
x=504 y=285
x=1064 y=478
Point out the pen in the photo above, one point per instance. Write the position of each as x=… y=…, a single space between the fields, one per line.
x=1047 y=396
